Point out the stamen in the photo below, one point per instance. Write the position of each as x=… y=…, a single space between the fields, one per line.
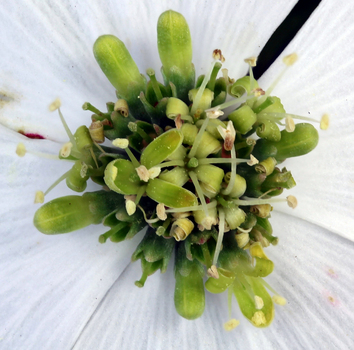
x=231 y=183
x=198 y=138
x=220 y=235
x=291 y=200
x=276 y=117
x=253 y=160
x=87 y=106
x=200 y=193
x=210 y=205
x=123 y=144
x=289 y=61
x=55 y=105
x=205 y=161
x=259 y=318
x=217 y=55
x=21 y=152
x=252 y=61
x=154 y=172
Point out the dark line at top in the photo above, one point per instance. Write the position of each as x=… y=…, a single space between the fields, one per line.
x=284 y=34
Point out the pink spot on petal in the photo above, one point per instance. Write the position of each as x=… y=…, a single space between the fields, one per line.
x=31 y=135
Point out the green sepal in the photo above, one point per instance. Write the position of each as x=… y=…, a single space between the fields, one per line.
x=161 y=148
x=292 y=144
x=119 y=177
x=155 y=253
x=189 y=296
x=169 y=194
x=278 y=179
x=156 y=112
x=70 y=213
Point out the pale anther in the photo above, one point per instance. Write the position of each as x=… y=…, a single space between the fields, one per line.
x=130 y=207
x=277 y=299
x=161 y=211
x=213 y=272
x=290 y=59
x=178 y=122
x=289 y=124
x=214 y=113
x=66 y=150
x=253 y=160
x=55 y=105
x=292 y=201
x=231 y=324
x=39 y=197
x=120 y=143
x=252 y=61
x=154 y=172
x=143 y=173
x=21 y=150
x=324 y=124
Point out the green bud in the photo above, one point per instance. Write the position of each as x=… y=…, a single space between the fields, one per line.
x=77 y=178
x=189 y=132
x=70 y=213
x=119 y=67
x=278 y=179
x=155 y=253
x=211 y=177
x=83 y=138
x=268 y=130
x=169 y=194
x=234 y=217
x=161 y=148
x=206 y=99
x=239 y=187
x=120 y=177
x=292 y=144
x=208 y=145
x=175 y=107
x=243 y=119
x=241 y=86
x=267 y=166
x=189 y=290
x=175 y=50
x=177 y=176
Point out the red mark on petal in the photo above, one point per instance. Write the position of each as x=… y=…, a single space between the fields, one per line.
x=32 y=135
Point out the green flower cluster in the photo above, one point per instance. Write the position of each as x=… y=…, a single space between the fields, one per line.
x=194 y=176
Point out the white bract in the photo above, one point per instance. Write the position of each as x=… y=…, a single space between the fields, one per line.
x=70 y=292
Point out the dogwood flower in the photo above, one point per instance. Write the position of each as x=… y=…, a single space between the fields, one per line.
x=70 y=292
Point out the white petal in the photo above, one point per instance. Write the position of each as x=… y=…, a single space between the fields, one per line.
x=321 y=82
x=312 y=266
x=47 y=50
x=50 y=285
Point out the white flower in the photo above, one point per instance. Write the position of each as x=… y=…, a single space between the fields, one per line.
x=70 y=292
